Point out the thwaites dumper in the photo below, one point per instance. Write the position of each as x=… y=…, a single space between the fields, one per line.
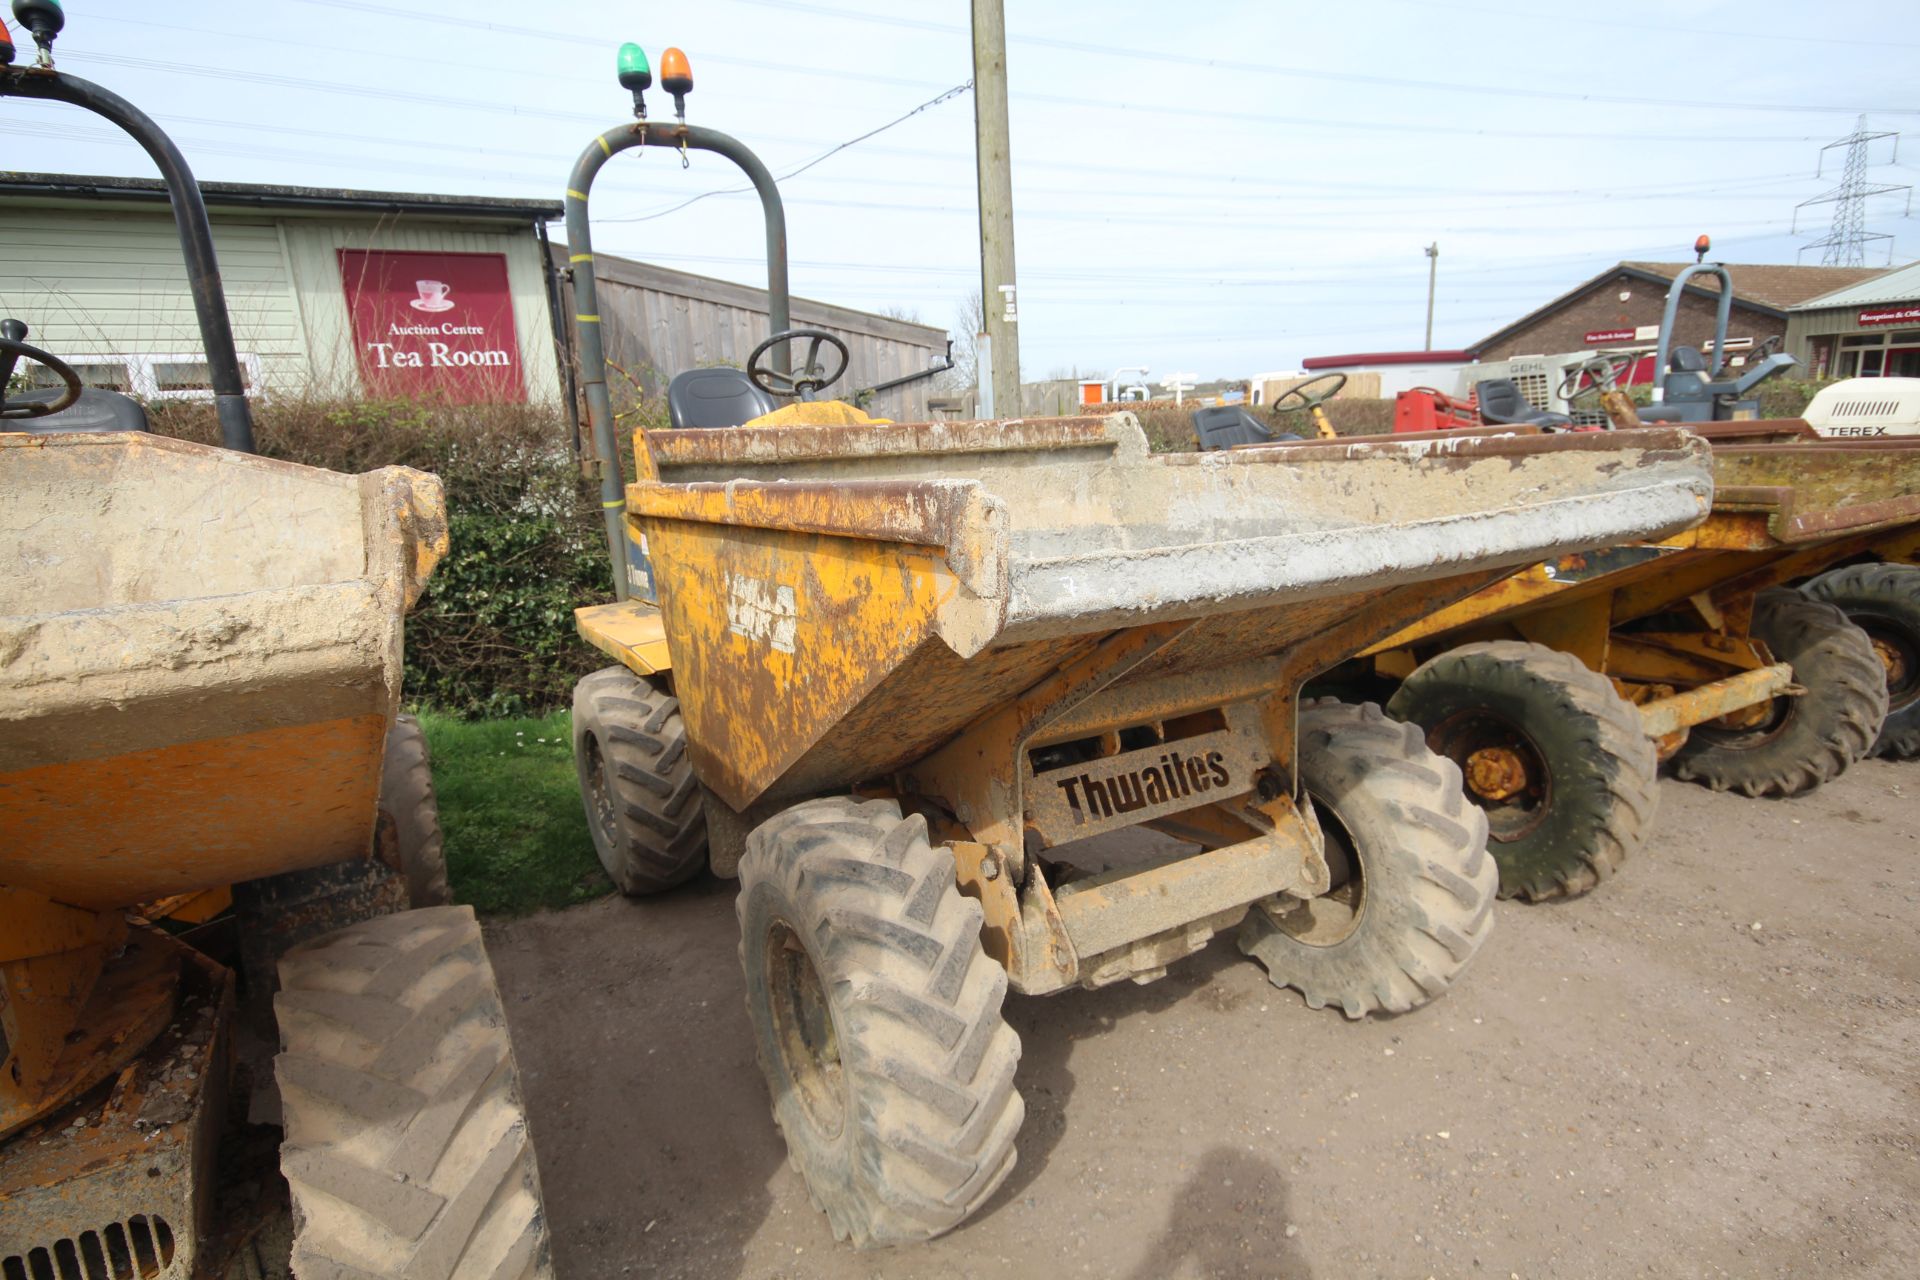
x=1759 y=651
x=199 y=673
x=890 y=673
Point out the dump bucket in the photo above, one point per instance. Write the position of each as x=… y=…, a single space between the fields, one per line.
x=199 y=660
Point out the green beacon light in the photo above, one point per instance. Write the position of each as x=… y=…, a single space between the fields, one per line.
x=44 y=19
x=636 y=76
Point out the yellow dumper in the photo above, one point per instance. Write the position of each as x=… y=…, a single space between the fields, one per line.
x=199 y=674
x=1760 y=651
x=914 y=665
x=894 y=677
x=199 y=668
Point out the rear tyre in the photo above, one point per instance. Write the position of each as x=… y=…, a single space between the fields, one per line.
x=1804 y=740
x=1557 y=760
x=1413 y=885
x=409 y=828
x=643 y=802
x=406 y=1146
x=876 y=1017
x=1883 y=600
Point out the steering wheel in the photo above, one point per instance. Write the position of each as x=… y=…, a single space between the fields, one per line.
x=809 y=377
x=11 y=349
x=1295 y=399
x=1603 y=374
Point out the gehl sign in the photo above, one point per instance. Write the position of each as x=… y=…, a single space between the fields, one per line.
x=1123 y=790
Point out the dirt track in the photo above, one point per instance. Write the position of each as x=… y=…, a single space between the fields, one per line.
x=1706 y=1068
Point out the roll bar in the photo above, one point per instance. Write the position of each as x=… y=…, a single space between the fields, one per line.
x=1667 y=318
x=593 y=356
x=189 y=215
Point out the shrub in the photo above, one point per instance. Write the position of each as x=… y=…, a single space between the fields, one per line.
x=493 y=634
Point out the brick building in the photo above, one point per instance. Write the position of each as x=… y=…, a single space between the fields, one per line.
x=1622 y=306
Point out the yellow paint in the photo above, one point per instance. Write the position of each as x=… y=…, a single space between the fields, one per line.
x=817 y=413
x=629 y=631
x=777 y=635
x=577 y=195
x=197 y=815
x=190 y=908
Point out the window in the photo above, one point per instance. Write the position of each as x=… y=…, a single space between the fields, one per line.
x=183 y=377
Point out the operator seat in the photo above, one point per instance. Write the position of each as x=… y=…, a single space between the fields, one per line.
x=1225 y=425
x=1502 y=404
x=97 y=409
x=717 y=397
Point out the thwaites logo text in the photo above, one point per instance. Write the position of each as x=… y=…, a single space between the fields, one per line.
x=1092 y=797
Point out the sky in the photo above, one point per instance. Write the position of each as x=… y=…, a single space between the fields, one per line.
x=1208 y=188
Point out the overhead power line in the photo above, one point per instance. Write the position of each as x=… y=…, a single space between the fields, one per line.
x=1162 y=57
x=928 y=105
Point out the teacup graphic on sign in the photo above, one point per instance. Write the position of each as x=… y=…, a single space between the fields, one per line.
x=433 y=296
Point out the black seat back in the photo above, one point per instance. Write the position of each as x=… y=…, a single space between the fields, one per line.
x=1223 y=426
x=1501 y=401
x=719 y=397
x=1687 y=360
x=96 y=410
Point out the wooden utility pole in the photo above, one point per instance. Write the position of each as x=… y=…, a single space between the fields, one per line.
x=1433 y=271
x=993 y=159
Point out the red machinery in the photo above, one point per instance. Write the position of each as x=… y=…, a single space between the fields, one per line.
x=1425 y=409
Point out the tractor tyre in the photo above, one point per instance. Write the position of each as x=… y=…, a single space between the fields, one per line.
x=409 y=822
x=1805 y=739
x=876 y=1019
x=1556 y=758
x=1883 y=600
x=1413 y=887
x=643 y=803
x=406 y=1146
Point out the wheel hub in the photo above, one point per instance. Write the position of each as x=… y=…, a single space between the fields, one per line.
x=1496 y=773
x=1894 y=660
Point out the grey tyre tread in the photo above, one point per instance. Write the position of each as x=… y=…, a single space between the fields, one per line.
x=928 y=1061
x=1887 y=595
x=1834 y=723
x=652 y=834
x=406 y=1146
x=1429 y=882
x=1611 y=760
x=407 y=797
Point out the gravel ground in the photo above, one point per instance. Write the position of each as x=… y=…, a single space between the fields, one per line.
x=1705 y=1068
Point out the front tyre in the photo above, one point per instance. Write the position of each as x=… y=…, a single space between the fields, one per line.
x=1413 y=887
x=1557 y=759
x=1883 y=600
x=876 y=1019
x=643 y=803
x=1802 y=741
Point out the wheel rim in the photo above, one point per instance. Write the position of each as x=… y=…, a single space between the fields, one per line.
x=1504 y=771
x=1333 y=917
x=1899 y=652
x=803 y=1031
x=599 y=794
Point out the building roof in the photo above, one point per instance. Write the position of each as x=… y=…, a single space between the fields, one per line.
x=70 y=186
x=1769 y=287
x=1900 y=284
x=1388 y=357
x=1774 y=285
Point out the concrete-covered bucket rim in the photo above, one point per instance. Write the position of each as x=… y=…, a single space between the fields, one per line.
x=200 y=654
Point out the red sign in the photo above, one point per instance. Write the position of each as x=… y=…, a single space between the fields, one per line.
x=1608 y=335
x=433 y=326
x=1891 y=315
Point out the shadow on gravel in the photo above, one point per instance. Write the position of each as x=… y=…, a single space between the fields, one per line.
x=1050 y=1027
x=1229 y=1222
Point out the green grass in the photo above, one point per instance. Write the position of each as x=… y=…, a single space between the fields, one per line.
x=510 y=809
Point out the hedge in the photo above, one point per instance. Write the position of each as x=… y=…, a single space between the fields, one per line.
x=493 y=634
